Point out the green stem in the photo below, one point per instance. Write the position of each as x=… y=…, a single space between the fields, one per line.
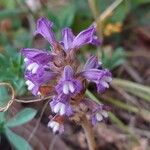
x=92 y=96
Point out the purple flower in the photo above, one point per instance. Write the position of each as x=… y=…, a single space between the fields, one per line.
x=68 y=84
x=58 y=73
x=36 y=60
x=61 y=105
x=86 y=37
x=67 y=38
x=69 y=41
x=44 y=27
x=98 y=116
x=91 y=63
x=97 y=112
x=102 y=77
x=34 y=81
x=56 y=126
x=56 y=123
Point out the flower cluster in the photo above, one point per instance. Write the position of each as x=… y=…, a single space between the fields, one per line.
x=59 y=73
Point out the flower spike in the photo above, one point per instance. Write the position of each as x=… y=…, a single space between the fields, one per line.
x=58 y=73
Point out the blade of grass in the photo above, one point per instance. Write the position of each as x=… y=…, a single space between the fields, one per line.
x=122 y=105
x=129 y=84
x=92 y=96
x=142 y=112
x=122 y=126
x=140 y=94
x=9 y=13
x=137 y=89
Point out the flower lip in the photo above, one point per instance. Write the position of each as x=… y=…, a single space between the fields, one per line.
x=37 y=80
x=26 y=59
x=61 y=105
x=68 y=85
x=60 y=108
x=30 y=84
x=99 y=116
x=54 y=125
x=33 y=67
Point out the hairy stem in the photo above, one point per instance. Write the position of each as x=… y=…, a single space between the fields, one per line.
x=86 y=125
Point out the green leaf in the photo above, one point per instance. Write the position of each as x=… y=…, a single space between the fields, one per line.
x=117 y=63
x=2 y=122
x=66 y=16
x=22 y=117
x=4 y=96
x=8 y=4
x=20 y=86
x=9 y=13
x=17 y=141
x=2 y=117
x=22 y=38
x=135 y=3
x=119 y=52
x=53 y=17
x=120 y=12
x=92 y=96
x=116 y=59
x=2 y=60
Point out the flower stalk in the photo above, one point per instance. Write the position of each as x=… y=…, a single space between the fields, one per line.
x=86 y=125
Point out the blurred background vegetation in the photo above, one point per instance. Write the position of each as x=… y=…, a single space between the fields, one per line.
x=124 y=26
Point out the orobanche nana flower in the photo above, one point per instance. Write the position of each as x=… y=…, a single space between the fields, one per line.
x=59 y=73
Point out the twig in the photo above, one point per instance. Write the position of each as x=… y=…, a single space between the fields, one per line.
x=32 y=101
x=12 y=99
x=99 y=21
x=51 y=147
x=92 y=5
x=38 y=122
x=86 y=125
x=142 y=132
x=5 y=108
x=133 y=73
x=125 y=95
x=138 y=54
x=108 y=11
